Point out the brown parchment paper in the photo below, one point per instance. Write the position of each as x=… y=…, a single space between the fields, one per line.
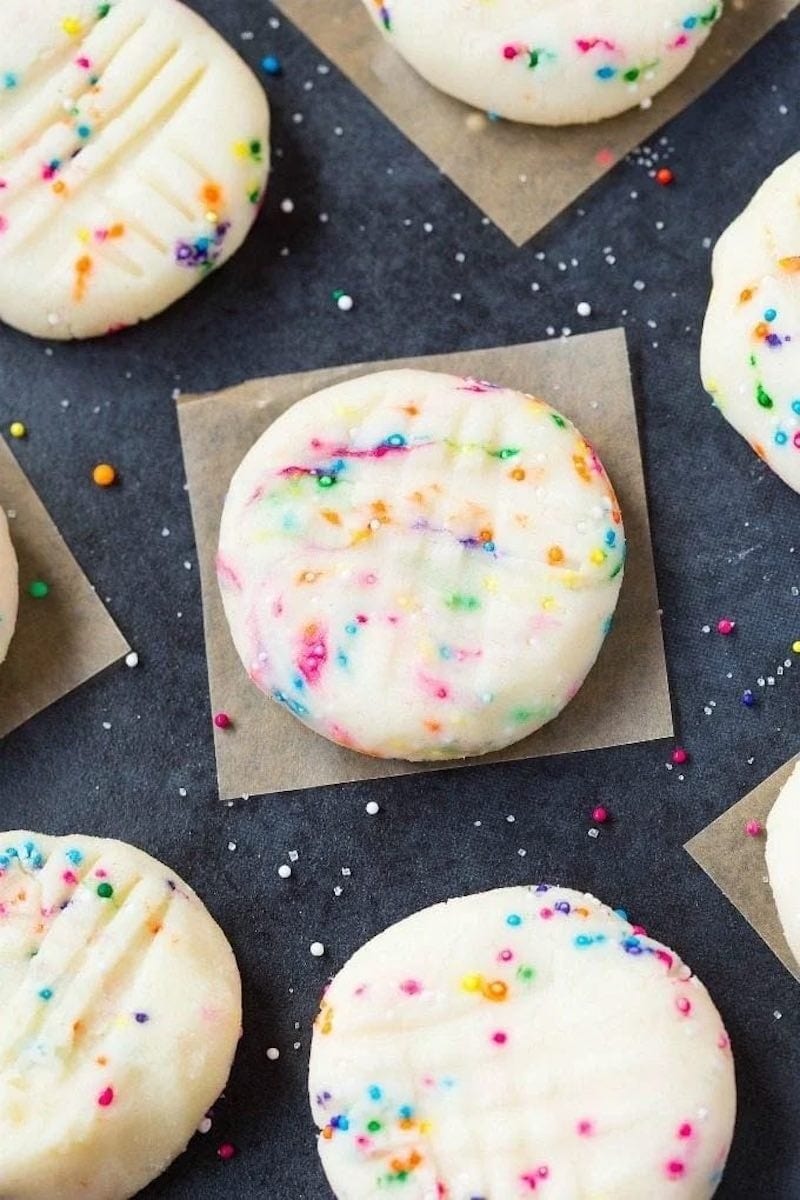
x=521 y=176
x=626 y=697
x=738 y=866
x=63 y=639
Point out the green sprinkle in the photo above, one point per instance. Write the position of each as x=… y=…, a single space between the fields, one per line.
x=374 y=1126
x=559 y=420
x=506 y=452
x=326 y=481
x=533 y=59
x=105 y=891
x=632 y=75
x=103 y=10
x=461 y=603
x=38 y=589
x=526 y=974
x=522 y=714
x=763 y=397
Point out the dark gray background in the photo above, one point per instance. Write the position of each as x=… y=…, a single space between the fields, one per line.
x=725 y=533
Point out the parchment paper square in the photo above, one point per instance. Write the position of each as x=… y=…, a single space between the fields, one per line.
x=626 y=697
x=63 y=639
x=521 y=176
x=737 y=864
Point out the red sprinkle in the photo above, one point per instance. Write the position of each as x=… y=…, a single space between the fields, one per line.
x=664 y=176
x=754 y=829
x=680 y=756
x=106 y=1097
x=226 y=1152
x=725 y=626
x=222 y=720
x=600 y=815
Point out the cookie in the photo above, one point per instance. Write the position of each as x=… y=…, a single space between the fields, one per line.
x=133 y=157
x=783 y=858
x=420 y=566
x=547 y=62
x=518 y=1043
x=750 y=356
x=8 y=587
x=121 y=1012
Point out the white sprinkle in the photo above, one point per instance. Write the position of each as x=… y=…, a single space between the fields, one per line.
x=317 y=949
x=593 y=833
x=165 y=532
x=287 y=205
x=584 y=309
x=346 y=872
x=273 y=1054
x=777 y=1015
x=372 y=808
x=181 y=791
x=345 y=303
x=293 y=856
x=106 y=724
x=511 y=819
x=337 y=891
x=427 y=227
x=132 y=659
x=639 y=284
x=205 y=1125
x=284 y=870
x=231 y=845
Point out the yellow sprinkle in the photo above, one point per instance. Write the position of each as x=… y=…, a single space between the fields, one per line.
x=17 y=429
x=84 y=235
x=472 y=983
x=240 y=149
x=598 y=557
x=490 y=583
x=425 y=1126
x=548 y=603
x=796 y=647
x=72 y=26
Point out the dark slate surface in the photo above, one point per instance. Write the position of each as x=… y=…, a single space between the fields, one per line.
x=725 y=533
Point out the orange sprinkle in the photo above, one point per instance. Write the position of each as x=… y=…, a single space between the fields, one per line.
x=433 y=726
x=746 y=294
x=83 y=269
x=496 y=990
x=154 y=927
x=791 y=264
x=760 y=451
x=407 y=1123
x=327 y=1133
x=117 y=230
x=59 y=187
x=485 y=535
x=102 y=1061
x=555 y=555
x=104 y=475
x=761 y=330
x=579 y=462
x=411 y=409
x=518 y=474
x=581 y=912
x=211 y=193
x=332 y=517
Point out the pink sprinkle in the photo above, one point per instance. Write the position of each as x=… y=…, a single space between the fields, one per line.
x=70 y=877
x=106 y=1097
x=723 y=1041
x=639 y=930
x=600 y=815
x=226 y=1151
x=585 y=1128
x=411 y=987
x=545 y=913
x=683 y=1005
x=605 y=157
x=505 y=955
x=754 y=829
x=665 y=957
x=676 y=1169
x=510 y=52
x=222 y=720
x=725 y=626
x=3 y=224
x=685 y=1130
x=500 y=1038
x=680 y=756
x=84 y=62
x=100 y=873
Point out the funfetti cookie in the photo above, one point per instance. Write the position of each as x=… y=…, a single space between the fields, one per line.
x=120 y=1011
x=521 y=1043
x=420 y=566
x=9 y=587
x=750 y=358
x=133 y=157
x=783 y=858
x=547 y=62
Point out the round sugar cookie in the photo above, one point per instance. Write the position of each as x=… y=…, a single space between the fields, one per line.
x=750 y=356
x=783 y=858
x=121 y=1011
x=520 y=1042
x=420 y=566
x=133 y=156
x=547 y=62
x=9 y=587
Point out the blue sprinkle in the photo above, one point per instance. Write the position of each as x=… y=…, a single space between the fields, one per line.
x=342 y=659
x=299 y=682
x=10 y=80
x=445 y=652
x=84 y=131
x=690 y=23
x=271 y=64
x=351 y=628
x=340 y=1122
x=608 y=625
x=770 y=314
x=611 y=537
x=620 y=912
x=606 y=72
x=74 y=856
x=4 y=861
x=489 y=546
x=781 y=438
x=583 y=940
x=748 y=699
x=374 y=1092
x=514 y=919
x=46 y=994
x=406 y=1112
x=796 y=407
x=395 y=439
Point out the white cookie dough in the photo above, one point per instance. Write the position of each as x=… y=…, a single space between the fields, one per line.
x=783 y=858
x=133 y=157
x=548 y=62
x=121 y=1011
x=9 y=587
x=750 y=358
x=420 y=566
x=518 y=1040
